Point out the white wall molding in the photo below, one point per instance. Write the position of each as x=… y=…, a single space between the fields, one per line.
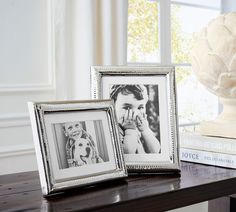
x=51 y=44
x=17 y=150
x=13 y=88
x=14 y=120
x=17 y=158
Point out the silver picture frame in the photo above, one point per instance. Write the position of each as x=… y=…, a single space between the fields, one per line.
x=106 y=80
x=51 y=122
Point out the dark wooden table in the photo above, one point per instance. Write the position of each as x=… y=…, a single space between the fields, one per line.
x=197 y=183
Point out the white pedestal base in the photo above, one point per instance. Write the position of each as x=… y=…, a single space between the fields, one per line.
x=225 y=123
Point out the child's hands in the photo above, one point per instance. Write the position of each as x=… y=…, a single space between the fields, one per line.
x=130 y=142
x=142 y=122
x=128 y=121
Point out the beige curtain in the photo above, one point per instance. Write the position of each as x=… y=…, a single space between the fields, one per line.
x=87 y=32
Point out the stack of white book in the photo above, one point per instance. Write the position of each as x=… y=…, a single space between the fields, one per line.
x=208 y=150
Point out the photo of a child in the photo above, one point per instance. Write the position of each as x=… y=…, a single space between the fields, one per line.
x=135 y=113
x=80 y=146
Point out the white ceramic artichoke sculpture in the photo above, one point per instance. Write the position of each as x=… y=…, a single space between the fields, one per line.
x=214 y=62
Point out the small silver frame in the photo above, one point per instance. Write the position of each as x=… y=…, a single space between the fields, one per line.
x=97 y=76
x=38 y=111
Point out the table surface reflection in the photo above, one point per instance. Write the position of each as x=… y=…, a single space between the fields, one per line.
x=197 y=183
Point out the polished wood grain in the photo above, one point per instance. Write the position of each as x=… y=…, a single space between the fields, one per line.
x=197 y=183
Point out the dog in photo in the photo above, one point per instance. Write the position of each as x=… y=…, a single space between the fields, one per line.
x=84 y=152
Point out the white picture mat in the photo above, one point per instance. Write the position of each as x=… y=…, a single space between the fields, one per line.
x=86 y=170
x=165 y=135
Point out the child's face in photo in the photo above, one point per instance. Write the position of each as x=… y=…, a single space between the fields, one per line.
x=125 y=102
x=73 y=129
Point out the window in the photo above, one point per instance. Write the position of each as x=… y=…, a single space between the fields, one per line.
x=143 y=27
x=162 y=32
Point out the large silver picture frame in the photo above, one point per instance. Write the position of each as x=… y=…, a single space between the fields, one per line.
x=65 y=162
x=124 y=82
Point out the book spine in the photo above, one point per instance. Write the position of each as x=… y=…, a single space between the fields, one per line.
x=209 y=158
x=208 y=144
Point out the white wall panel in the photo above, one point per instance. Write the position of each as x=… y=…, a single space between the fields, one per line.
x=23 y=42
x=19 y=158
x=16 y=103
x=19 y=135
x=26 y=74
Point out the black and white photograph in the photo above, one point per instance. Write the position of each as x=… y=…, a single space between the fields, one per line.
x=145 y=103
x=80 y=143
x=77 y=143
x=137 y=111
